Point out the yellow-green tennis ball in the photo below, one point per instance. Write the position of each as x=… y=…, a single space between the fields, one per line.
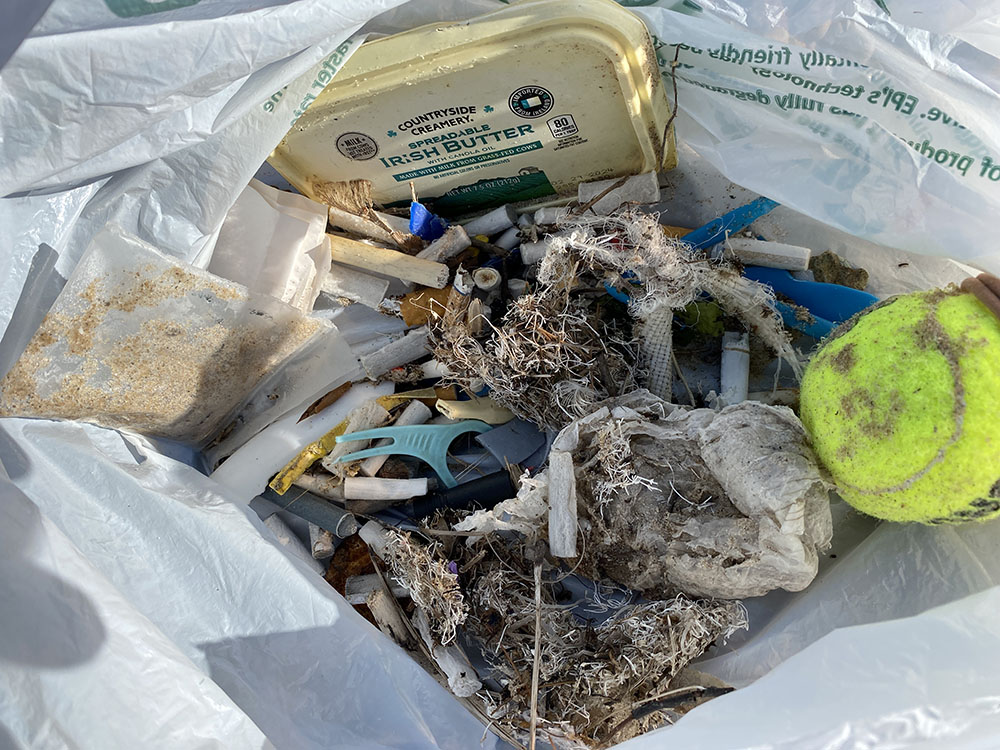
x=903 y=409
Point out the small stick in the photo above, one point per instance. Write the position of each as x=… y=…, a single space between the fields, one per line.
x=680 y=374
x=389 y=262
x=367 y=228
x=583 y=209
x=537 y=662
x=488 y=247
x=640 y=188
x=509 y=239
x=673 y=115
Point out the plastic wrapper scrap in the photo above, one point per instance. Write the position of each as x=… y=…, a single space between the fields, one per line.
x=140 y=342
x=727 y=504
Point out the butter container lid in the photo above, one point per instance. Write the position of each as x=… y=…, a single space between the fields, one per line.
x=520 y=104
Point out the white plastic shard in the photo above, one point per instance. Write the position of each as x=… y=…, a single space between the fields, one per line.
x=356 y=286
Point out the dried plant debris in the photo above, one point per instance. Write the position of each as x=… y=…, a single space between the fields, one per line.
x=555 y=353
x=550 y=359
x=431 y=585
x=138 y=341
x=593 y=675
x=727 y=504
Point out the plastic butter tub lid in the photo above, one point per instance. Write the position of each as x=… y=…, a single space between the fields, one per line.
x=516 y=105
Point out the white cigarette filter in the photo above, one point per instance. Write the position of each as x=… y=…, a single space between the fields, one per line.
x=494 y=222
x=374 y=488
x=735 y=367
x=752 y=252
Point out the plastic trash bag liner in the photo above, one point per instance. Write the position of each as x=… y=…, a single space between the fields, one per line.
x=106 y=119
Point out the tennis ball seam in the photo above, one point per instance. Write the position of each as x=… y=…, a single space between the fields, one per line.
x=931 y=332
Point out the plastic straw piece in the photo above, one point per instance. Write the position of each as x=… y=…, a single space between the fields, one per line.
x=322 y=543
x=487 y=279
x=533 y=252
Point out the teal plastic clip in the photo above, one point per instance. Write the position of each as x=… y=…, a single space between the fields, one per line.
x=428 y=442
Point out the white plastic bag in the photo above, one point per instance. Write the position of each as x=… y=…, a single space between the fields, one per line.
x=144 y=607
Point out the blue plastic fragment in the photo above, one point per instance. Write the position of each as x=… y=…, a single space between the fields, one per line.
x=424 y=224
x=428 y=442
x=833 y=302
x=729 y=223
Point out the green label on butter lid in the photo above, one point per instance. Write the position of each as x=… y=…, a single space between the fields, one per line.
x=495 y=191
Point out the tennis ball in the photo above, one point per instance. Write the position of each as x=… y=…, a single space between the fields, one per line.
x=903 y=408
